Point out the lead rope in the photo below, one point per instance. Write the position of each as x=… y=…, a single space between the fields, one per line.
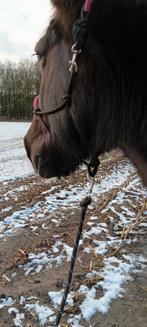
x=92 y=170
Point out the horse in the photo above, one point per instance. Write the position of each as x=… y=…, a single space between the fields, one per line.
x=108 y=109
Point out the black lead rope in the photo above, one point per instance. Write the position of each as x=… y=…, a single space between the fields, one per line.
x=84 y=206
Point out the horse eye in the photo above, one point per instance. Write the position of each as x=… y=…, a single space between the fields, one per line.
x=38 y=55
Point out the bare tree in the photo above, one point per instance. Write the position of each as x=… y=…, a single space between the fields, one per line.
x=18 y=86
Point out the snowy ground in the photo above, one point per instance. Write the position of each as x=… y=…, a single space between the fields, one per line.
x=38 y=222
x=13 y=161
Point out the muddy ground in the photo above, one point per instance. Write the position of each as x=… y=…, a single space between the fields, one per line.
x=38 y=232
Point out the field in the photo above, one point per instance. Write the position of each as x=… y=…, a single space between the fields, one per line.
x=38 y=223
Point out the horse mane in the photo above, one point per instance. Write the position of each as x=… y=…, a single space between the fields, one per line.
x=118 y=25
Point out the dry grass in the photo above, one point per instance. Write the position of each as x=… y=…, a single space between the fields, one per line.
x=127 y=230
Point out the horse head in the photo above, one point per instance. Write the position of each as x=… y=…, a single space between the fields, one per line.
x=56 y=144
x=108 y=102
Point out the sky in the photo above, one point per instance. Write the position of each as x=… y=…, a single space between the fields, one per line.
x=22 y=22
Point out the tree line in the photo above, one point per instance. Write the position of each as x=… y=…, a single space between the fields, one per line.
x=19 y=83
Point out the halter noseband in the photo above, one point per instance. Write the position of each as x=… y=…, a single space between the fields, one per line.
x=80 y=32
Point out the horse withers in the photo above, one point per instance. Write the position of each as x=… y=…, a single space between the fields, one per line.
x=109 y=95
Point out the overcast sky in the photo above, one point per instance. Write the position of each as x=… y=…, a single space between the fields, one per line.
x=22 y=22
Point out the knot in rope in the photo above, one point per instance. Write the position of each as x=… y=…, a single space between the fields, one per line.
x=80 y=30
x=67 y=99
x=86 y=202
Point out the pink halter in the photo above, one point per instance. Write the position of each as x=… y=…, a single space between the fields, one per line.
x=87 y=5
x=36 y=103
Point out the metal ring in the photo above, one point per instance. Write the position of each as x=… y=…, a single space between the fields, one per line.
x=74 y=50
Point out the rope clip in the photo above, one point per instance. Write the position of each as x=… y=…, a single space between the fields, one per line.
x=73 y=67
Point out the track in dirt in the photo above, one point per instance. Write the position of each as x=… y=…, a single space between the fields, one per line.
x=38 y=223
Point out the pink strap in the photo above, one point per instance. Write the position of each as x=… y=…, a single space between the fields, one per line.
x=36 y=102
x=87 y=5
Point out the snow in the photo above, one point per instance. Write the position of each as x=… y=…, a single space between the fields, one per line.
x=6 y=302
x=13 y=160
x=114 y=278
x=43 y=312
x=10 y=130
x=65 y=198
x=115 y=272
x=46 y=260
x=56 y=298
x=18 y=317
x=22 y=300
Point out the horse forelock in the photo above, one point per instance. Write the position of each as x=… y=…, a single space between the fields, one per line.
x=66 y=12
x=67 y=4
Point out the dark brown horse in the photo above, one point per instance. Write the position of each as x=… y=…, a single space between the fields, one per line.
x=109 y=100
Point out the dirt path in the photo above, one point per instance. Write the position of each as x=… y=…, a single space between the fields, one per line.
x=38 y=222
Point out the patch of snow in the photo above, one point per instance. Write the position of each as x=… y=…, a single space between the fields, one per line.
x=115 y=273
x=64 y=198
x=13 y=161
x=42 y=311
x=7 y=209
x=68 y=251
x=17 y=220
x=18 y=317
x=6 y=302
x=22 y=300
x=56 y=298
x=45 y=260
